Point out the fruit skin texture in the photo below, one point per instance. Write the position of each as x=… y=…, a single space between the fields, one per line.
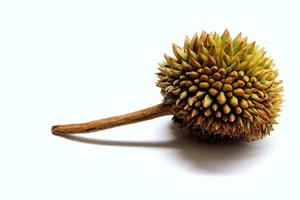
x=221 y=89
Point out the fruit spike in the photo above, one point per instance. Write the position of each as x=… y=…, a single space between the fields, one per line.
x=218 y=88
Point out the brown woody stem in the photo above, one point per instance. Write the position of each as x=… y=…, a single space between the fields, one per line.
x=110 y=122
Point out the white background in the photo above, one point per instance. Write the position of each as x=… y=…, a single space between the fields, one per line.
x=70 y=61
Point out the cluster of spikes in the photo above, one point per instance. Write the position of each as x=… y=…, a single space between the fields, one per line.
x=221 y=88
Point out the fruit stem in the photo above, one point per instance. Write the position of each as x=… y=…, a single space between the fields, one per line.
x=110 y=122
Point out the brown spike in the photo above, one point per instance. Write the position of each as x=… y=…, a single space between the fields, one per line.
x=215 y=107
x=207 y=112
x=207 y=101
x=193 y=89
x=227 y=88
x=218 y=114
x=226 y=109
x=233 y=101
x=238 y=110
x=221 y=99
x=204 y=85
x=231 y=117
x=183 y=95
x=195 y=113
x=191 y=100
x=238 y=92
x=213 y=91
x=217 y=85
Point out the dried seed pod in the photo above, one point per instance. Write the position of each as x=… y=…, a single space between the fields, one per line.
x=232 y=86
x=220 y=89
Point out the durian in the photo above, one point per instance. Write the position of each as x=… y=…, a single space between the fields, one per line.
x=219 y=89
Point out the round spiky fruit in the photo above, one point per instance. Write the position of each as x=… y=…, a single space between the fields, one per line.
x=221 y=88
